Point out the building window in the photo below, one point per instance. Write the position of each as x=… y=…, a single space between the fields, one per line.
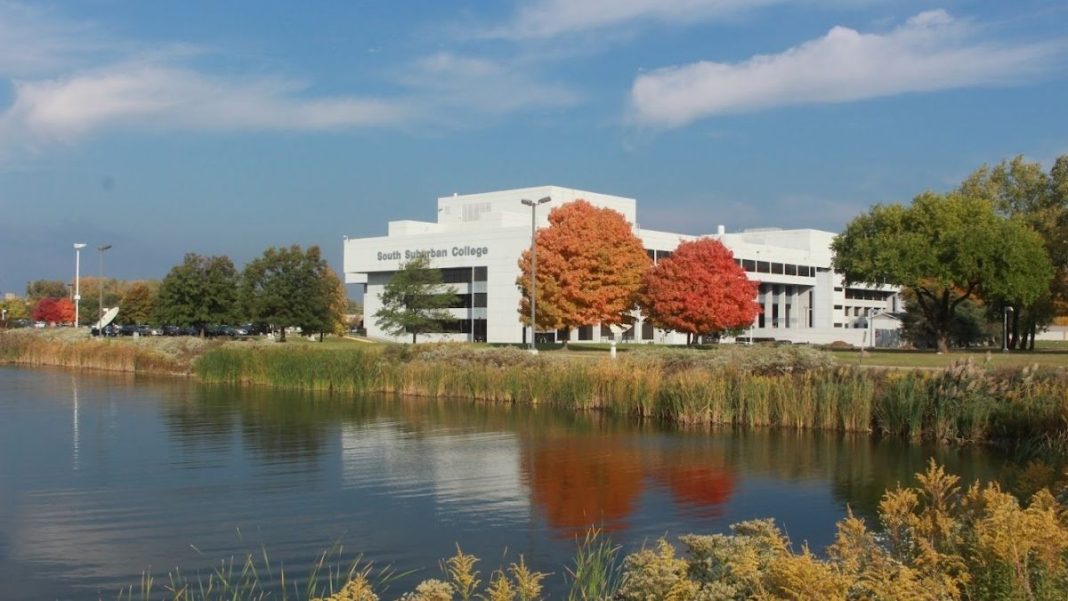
x=586 y=332
x=791 y=269
x=463 y=326
x=480 y=300
x=776 y=268
x=481 y=274
x=763 y=267
x=749 y=265
x=456 y=275
x=652 y=254
x=647 y=330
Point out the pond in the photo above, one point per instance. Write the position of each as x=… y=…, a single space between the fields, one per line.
x=105 y=476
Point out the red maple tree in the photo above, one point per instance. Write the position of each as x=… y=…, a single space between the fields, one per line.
x=699 y=290
x=54 y=310
x=590 y=267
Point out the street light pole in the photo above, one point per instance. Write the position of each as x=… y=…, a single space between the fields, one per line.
x=533 y=204
x=99 y=324
x=78 y=246
x=1005 y=328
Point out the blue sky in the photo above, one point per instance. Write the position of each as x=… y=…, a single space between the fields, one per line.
x=227 y=127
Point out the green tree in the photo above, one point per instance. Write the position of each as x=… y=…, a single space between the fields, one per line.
x=38 y=289
x=1023 y=191
x=971 y=326
x=291 y=287
x=138 y=303
x=199 y=291
x=414 y=300
x=945 y=249
x=13 y=308
x=89 y=307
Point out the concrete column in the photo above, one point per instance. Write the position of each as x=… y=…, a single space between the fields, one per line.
x=795 y=308
x=782 y=307
x=769 y=298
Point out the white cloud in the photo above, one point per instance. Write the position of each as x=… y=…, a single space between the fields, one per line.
x=70 y=80
x=34 y=41
x=168 y=97
x=931 y=51
x=548 y=18
x=481 y=85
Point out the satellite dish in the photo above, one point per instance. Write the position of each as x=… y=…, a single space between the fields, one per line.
x=109 y=316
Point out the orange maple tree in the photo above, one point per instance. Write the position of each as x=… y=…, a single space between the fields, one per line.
x=54 y=310
x=590 y=267
x=699 y=290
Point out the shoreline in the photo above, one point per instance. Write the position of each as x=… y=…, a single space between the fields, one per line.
x=746 y=387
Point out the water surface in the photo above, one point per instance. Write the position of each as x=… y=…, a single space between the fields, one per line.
x=104 y=476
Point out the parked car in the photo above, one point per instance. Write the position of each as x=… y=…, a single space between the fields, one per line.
x=256 y=329
x=110 y=331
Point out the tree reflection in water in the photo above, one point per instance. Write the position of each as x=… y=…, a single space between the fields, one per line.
x=579 y=482
x=580 y=469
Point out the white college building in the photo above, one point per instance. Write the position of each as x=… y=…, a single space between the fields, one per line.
x=477 y=240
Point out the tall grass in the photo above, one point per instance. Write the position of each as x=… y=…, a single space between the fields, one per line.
x=81 y=352
x=255 y=577
x=597 y=568
x=742 y=388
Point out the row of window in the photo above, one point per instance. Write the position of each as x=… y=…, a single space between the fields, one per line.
x=462 y=326
x=862 y=294
x=463 y=301
x=805 y=271
x=753 y=266
x=463 y=275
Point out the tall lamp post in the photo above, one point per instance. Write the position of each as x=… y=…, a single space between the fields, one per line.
x=78 y=246
x=102 y=248
x=533 y=204
x=1005 y=328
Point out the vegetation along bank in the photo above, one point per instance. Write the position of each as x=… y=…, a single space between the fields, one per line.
x=788 y=387
x=939 y=539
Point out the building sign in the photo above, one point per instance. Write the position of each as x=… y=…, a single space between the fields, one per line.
x=434 y=253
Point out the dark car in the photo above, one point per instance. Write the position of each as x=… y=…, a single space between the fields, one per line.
x=172 y=331
x=218 y=329
x=110 y=331
x=256 y=329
